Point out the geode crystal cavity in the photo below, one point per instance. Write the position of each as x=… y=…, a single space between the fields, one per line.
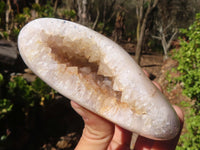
x=95 y=72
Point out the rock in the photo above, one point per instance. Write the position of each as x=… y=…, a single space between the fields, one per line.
x=67 y=141
x=8 y=52
x=116 y=88
x=29 y=77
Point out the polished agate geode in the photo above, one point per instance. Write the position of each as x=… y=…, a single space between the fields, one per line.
x=98 y=74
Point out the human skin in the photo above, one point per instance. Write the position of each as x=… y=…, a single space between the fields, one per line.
x=101 y=134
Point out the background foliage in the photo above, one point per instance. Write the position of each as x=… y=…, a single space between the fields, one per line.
x=22 y=102
x=188 y=57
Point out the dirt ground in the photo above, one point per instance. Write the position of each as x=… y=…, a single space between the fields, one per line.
x=159 y=71
x=152 y=64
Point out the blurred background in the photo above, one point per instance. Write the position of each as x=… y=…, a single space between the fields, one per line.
x=163 y=36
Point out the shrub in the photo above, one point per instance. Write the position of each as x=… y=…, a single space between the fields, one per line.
x=21 y=102
x=188 y=57
x=191 y=139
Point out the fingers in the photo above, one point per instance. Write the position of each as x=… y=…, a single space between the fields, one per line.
x=143 y=143
x=155 y=83
x=97 y=133
x=100 y=134
x=149 y=144
x=180 y=113
x=121 y=139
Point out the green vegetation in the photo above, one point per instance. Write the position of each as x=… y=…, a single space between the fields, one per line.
x=188 y=57
x=22 y=100
x=190 y=140
x=45 y=10
x=5 y=107
x=29 y=95
x=2 y=7
x=9 y=29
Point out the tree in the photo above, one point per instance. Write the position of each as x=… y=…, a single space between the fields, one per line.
x=34 y=12
x=97 y=14
x=165 y=38
x=119 y=24
x=83 y=12
x=169 y=17
x=142 y=19
x=109 y=11
x=8 y=11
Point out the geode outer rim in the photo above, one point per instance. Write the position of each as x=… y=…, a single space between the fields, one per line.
x=170 y=122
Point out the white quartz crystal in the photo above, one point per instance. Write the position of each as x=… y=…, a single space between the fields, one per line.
x=92 y=70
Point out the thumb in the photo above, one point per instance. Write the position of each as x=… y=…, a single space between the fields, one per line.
x=97 y=132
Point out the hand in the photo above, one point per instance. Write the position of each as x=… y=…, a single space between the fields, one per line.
x=101 y=134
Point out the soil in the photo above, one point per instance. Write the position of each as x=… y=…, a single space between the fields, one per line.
x=159 y=71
